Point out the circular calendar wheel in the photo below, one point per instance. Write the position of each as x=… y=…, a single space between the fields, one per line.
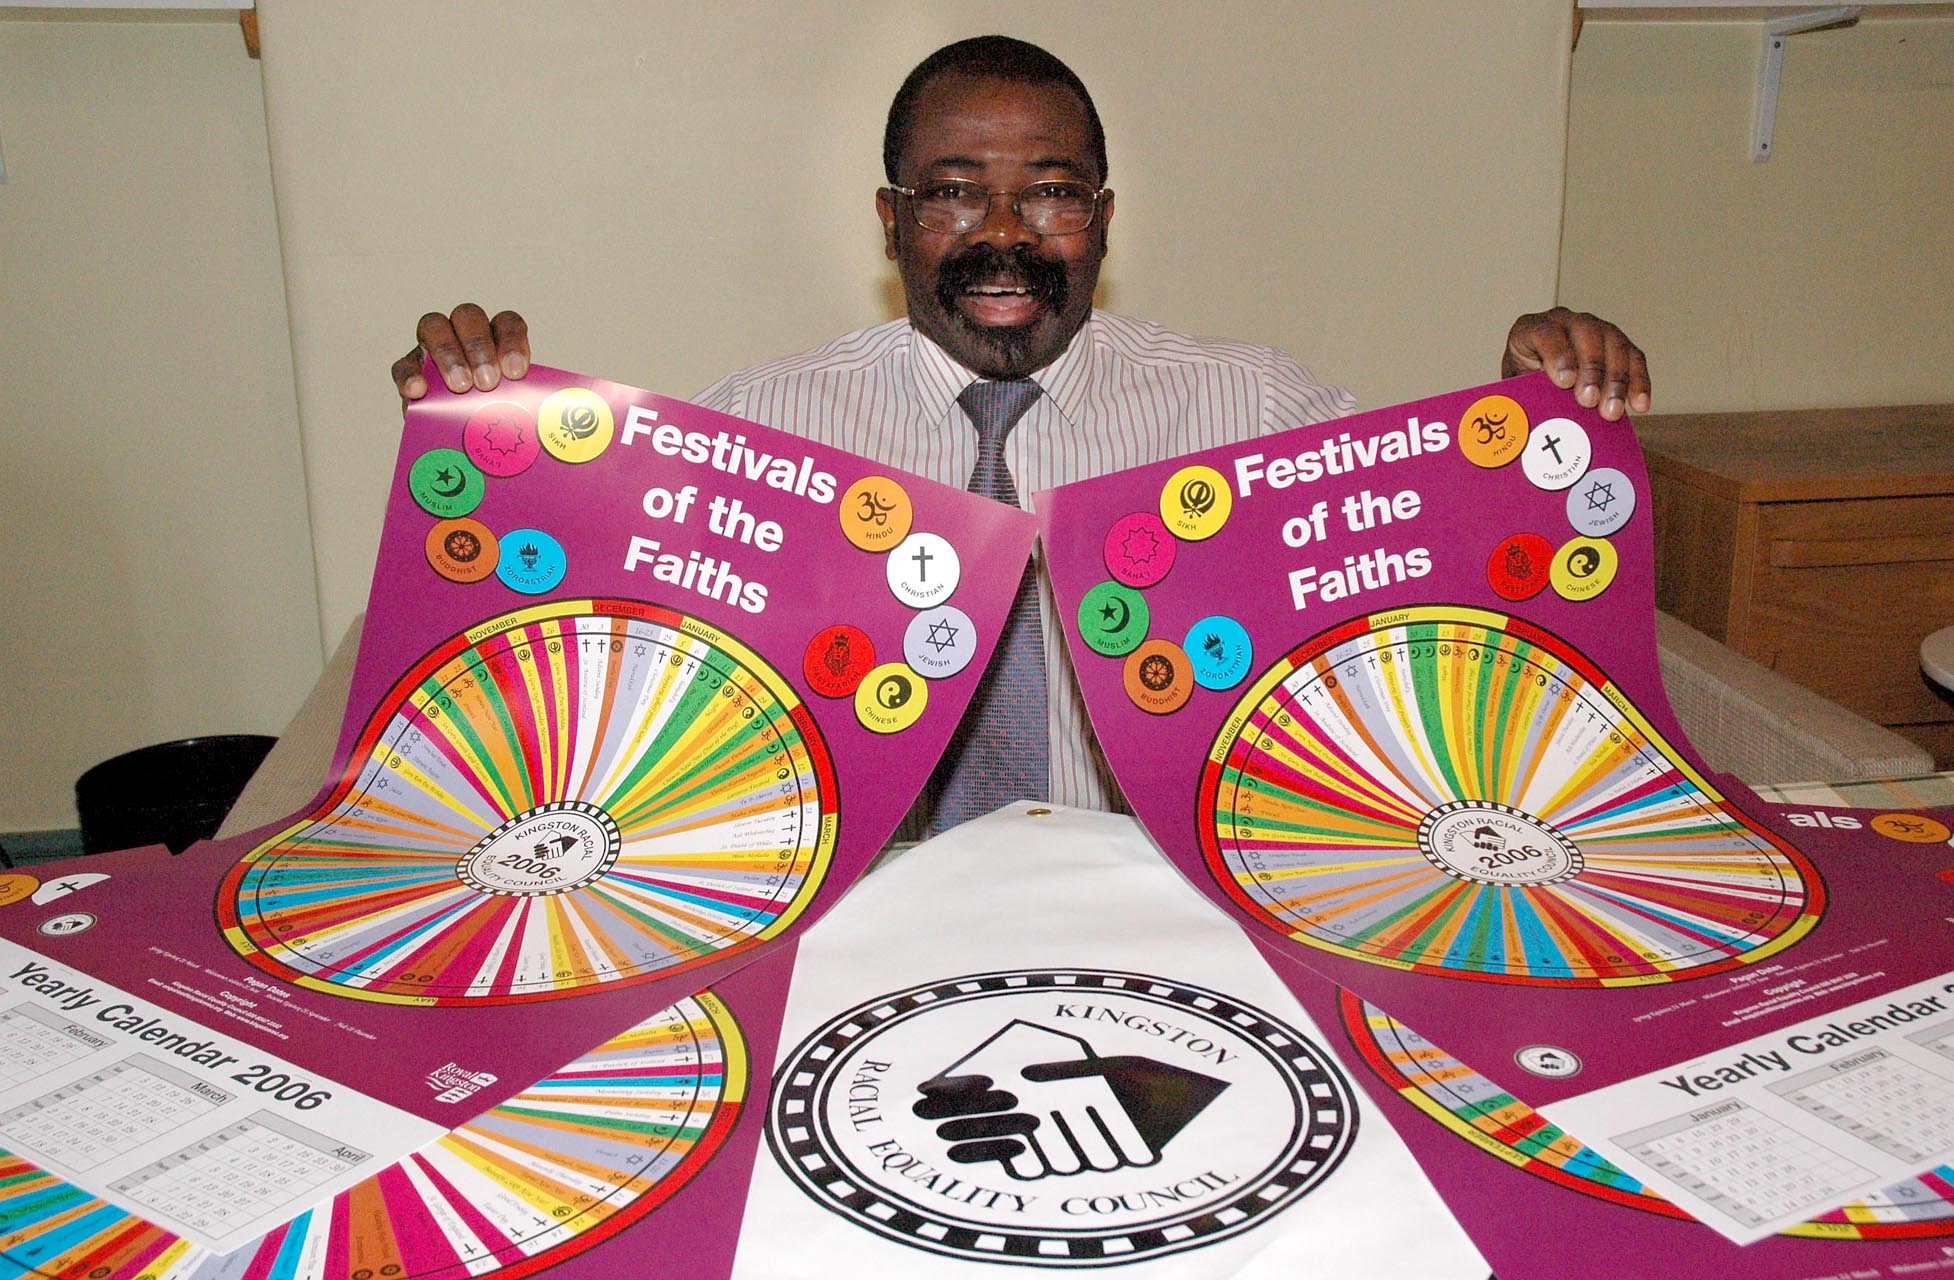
x=580 y=794
x=1493 y=1120
x=1456 y=792
x=550 y=1173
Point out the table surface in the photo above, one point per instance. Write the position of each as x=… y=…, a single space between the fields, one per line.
x=1805 y=455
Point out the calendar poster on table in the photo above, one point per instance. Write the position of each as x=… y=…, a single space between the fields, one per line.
x=642 y=689
x=1386 y=690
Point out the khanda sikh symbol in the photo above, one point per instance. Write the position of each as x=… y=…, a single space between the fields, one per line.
x=1197 y=498
x=580 y=421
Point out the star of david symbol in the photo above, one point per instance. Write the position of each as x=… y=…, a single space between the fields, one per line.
x=1600 y=496
x=942 y=635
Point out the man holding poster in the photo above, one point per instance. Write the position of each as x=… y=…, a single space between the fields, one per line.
x=1003 y=378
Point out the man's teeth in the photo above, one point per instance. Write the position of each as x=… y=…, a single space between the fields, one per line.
x=991 y=290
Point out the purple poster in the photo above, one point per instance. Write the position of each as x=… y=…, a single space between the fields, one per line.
x=642 y=690
x=1387 y=690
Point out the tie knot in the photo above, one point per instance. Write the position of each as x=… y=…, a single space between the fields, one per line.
x=995 y=407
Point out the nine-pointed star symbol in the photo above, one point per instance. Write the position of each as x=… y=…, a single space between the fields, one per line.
x=1141 y=546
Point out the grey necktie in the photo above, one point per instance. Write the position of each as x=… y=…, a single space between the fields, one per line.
x=1000 y=752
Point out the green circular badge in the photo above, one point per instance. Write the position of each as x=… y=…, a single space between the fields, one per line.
x=446 y=483
x=1113 y=619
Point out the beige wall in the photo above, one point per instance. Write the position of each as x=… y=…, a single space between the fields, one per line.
x=1822 y=277
x=154 y=554
x=670 y=191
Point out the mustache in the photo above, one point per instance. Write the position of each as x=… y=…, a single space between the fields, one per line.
x=981 y=263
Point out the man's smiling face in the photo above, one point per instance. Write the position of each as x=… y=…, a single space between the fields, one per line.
x=1000 y=298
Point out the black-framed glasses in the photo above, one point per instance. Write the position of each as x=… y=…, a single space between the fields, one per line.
x=956 y=206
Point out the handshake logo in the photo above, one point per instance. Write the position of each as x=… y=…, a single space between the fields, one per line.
x=1038 y=1102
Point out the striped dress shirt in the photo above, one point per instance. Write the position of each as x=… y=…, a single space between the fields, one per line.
x=1124 y=393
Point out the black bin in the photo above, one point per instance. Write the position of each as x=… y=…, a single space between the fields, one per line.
x=174 y=793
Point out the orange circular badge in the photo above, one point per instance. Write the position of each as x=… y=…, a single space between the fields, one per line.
x=1159 y=677
x=17 y=886
x=1493 y=431
x=1912 y=828
x=462 y=550
x=875 y=513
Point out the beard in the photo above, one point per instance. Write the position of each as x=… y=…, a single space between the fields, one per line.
x=1045 y=279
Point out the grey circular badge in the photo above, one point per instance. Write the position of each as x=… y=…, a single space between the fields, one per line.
x=939 y=642
x=1557 y=454
x=1549 y=1061
x=1600 y=502
x=72 y=923
x=924 y=570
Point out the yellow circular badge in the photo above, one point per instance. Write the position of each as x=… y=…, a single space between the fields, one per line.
x=1195 y=503
x=15 y=887
x=1912 y=828
x=875 y=513
x=1493 y=431
x=1583 y=568
x=891 y=698
x=575 y=424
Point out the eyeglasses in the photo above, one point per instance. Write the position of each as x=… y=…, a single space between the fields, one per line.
x=955 y=206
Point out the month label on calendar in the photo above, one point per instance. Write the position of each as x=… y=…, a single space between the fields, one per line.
x=195 y=1130
x=1788 y=1125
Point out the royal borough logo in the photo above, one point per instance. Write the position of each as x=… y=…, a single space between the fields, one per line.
x=1069 y=1118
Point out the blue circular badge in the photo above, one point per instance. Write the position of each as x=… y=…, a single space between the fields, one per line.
x=1220 y=651
x=532 y=562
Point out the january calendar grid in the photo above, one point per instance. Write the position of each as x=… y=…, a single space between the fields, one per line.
x=1747 y=1164
x=34 y=1042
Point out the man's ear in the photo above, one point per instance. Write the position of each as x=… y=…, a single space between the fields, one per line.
x=885 y=209
x=1105 y=216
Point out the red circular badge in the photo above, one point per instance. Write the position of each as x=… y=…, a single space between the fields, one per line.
x=1519 y=566
x=837 y=659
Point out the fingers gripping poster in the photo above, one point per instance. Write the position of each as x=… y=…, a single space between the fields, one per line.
x=1387 y=690
x=642 y=690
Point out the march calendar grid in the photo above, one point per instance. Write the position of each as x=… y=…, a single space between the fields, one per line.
x=262 y=1163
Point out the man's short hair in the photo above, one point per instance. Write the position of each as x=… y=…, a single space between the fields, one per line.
x=995 y=57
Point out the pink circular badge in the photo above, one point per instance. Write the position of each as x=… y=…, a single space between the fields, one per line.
x=500 y=438
x=1139 y=549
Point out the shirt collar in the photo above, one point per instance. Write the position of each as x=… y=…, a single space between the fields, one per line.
x=939 y=378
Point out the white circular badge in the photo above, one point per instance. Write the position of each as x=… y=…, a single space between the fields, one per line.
x=1557 y=454
x=924 y=570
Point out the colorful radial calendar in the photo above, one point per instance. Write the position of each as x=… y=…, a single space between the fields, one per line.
x=1457 y=792
x=550 y=1173
x=1494 y=1120
x=579 y=794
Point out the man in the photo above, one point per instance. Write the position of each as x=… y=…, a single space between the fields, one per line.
x=1004 y=379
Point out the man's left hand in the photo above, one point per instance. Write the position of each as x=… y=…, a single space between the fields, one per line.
x=1583 y=353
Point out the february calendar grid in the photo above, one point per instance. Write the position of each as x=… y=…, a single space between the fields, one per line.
x=82 y=1124
x=1887 y=1102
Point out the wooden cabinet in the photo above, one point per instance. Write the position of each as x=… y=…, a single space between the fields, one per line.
x=1817 y=542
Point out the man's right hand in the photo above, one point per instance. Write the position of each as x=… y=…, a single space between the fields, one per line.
x=468 y=350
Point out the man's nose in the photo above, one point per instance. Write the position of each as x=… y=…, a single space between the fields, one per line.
x=1002 y=225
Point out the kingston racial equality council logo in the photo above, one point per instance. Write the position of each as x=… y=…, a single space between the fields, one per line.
x=1065 y=1118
